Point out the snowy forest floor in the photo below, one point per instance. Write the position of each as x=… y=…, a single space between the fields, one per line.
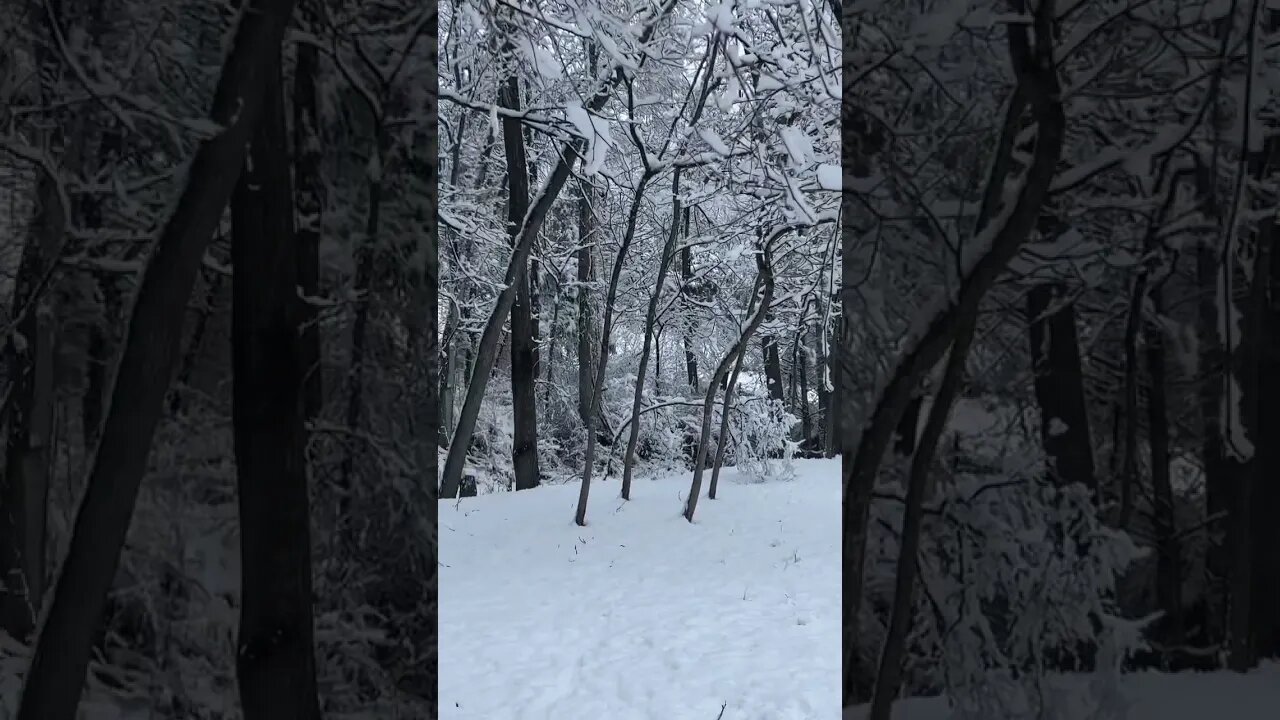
x=641 y=615
x=1158 y=696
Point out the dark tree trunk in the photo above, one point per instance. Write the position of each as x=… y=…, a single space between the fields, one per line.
x=523 y=344
x=1059 y=387
x=773 y=368
x=835 y=398
x=24 y=487
x=801 y=374
x=56 y=675
x=275 y=661
x=1219 y=486
x=587 y=235
x=764 y=266
x=686 y=274
x=1169 y=558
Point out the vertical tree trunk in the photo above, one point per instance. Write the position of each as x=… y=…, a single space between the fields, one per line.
x=772 y=368
x=523 y=344
x=275 y=662
x=587 y=235
x=449 y=371
x=802 y=375
x=24 y=487
x=686 y=274
x=1059 y=387
x=1169 y=559
x=56 y=676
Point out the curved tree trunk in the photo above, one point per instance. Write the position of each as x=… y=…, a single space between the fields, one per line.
x=722 y=442
x=56 y=676
x=889 y=675
x=764 y=267
x=1038 y=85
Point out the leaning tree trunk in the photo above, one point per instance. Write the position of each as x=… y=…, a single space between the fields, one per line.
x=602 y=354
x=722 y=442
x=275 y=661
x=889 y=675
x=56 y=676
x=524 y=400
x=764 y=267
x=487 y=349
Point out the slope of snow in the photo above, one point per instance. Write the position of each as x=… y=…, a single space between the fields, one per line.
x=641 y=615
x=1156 y=696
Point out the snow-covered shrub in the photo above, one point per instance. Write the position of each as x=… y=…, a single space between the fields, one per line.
x=760 y=439
x=1021 y=579
x=1018 y=587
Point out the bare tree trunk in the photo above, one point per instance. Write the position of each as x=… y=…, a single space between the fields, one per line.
x=24 y=487
x=524 y=399
x=772 y=368
x=449 y=373
x=802 y=375
x=1169 y=559
x=722 y=442
x=275 y=661
x=686 y=274
x=1059 y=387
x=602 y=356
x=587 y=235
x=764 y=267
x=889 y=675
x=56 y=676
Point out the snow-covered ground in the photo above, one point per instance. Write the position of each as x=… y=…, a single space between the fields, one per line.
x=1159 y=696
x=640 y=615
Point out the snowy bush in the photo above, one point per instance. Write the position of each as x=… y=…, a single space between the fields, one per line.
x=760 y=439
x=1019 y=581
